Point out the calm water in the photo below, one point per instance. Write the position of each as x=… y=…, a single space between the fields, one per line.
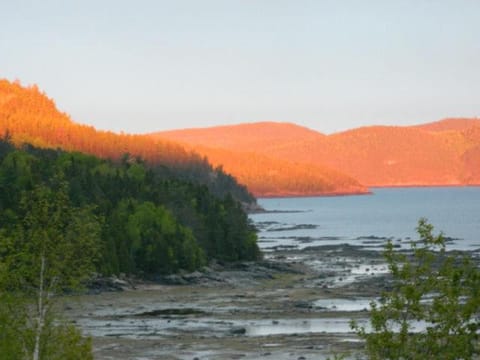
x=369 y=220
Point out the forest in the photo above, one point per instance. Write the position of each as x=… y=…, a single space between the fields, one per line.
x=148 y=219
x=76 y=203
x=28 y=116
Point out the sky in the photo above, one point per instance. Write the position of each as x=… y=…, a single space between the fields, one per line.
x=142 y=66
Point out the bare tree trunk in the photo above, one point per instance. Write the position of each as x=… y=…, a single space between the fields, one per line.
x=40 y=311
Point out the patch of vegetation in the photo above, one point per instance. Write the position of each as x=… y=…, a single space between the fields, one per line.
x=150 y=223
x=65 y=216
x=433 y=308
x=51 y=248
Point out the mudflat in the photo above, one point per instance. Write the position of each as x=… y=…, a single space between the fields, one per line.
x=295 y=304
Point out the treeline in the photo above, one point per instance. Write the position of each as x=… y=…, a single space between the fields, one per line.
x=28 y=116
x=151 y=222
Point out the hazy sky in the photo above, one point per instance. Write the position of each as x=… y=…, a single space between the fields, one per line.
x=141 y=66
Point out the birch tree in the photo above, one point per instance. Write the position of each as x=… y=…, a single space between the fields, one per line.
x=51 y=250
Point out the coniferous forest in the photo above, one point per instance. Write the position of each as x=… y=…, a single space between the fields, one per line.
x=151 y=220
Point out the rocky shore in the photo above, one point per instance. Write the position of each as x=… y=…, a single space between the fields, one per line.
x=295 y=304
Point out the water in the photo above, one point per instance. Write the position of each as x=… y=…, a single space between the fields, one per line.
x=366 y=221
x=295 y=326
x=371 y=219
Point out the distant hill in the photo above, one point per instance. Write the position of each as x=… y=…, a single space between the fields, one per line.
x=454 y=124
x=29 y=116
x=250 y=153
x=446 y=152
x=245 y=137
x=272 y=177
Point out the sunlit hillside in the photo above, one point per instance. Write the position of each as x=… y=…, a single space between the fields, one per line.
x=249 y=152
x=258 y=137
x=441 y=153
x=268 y=176
x=29 y=116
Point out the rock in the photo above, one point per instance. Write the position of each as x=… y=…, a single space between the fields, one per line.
x=193 y=277
x=173 y=280
x=169 y=312
x=112 y=283
x=120 y=283
x=238 y=330
x=302 y=304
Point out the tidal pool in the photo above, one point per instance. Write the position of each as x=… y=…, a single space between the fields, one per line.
x=338 y=325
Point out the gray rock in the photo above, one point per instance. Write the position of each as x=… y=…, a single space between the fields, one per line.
x=238 y=330
x=302 y=304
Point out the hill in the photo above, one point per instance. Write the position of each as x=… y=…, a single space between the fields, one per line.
x=28 y=116
x=249 y=152
x=272 y=177
x=456 y=124
x=254 y=137
x=446 y=152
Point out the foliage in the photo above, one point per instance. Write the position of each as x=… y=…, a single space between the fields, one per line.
x=431 y=289
x=29 y=116
x=52 y=232
x=64 y=215
x=51 y=249
x=151 y=223
x=13 y=329
x=159 y=243
x=59 y=340
x=64 y=341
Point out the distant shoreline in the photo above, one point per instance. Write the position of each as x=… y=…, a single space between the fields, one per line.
x=369 y=192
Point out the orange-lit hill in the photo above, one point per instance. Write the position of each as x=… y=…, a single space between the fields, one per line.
x=441 y=153
x=258 y=137
x=244 y=151
x=29 y=116
x=272 y=177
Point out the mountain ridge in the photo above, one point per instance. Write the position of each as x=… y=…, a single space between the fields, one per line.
x=29 y=116
x=439 y=153
x=270 y=158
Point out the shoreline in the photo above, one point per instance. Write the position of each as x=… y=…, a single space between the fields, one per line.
x=294 y=304
x=236 y=310
x=370 y=191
